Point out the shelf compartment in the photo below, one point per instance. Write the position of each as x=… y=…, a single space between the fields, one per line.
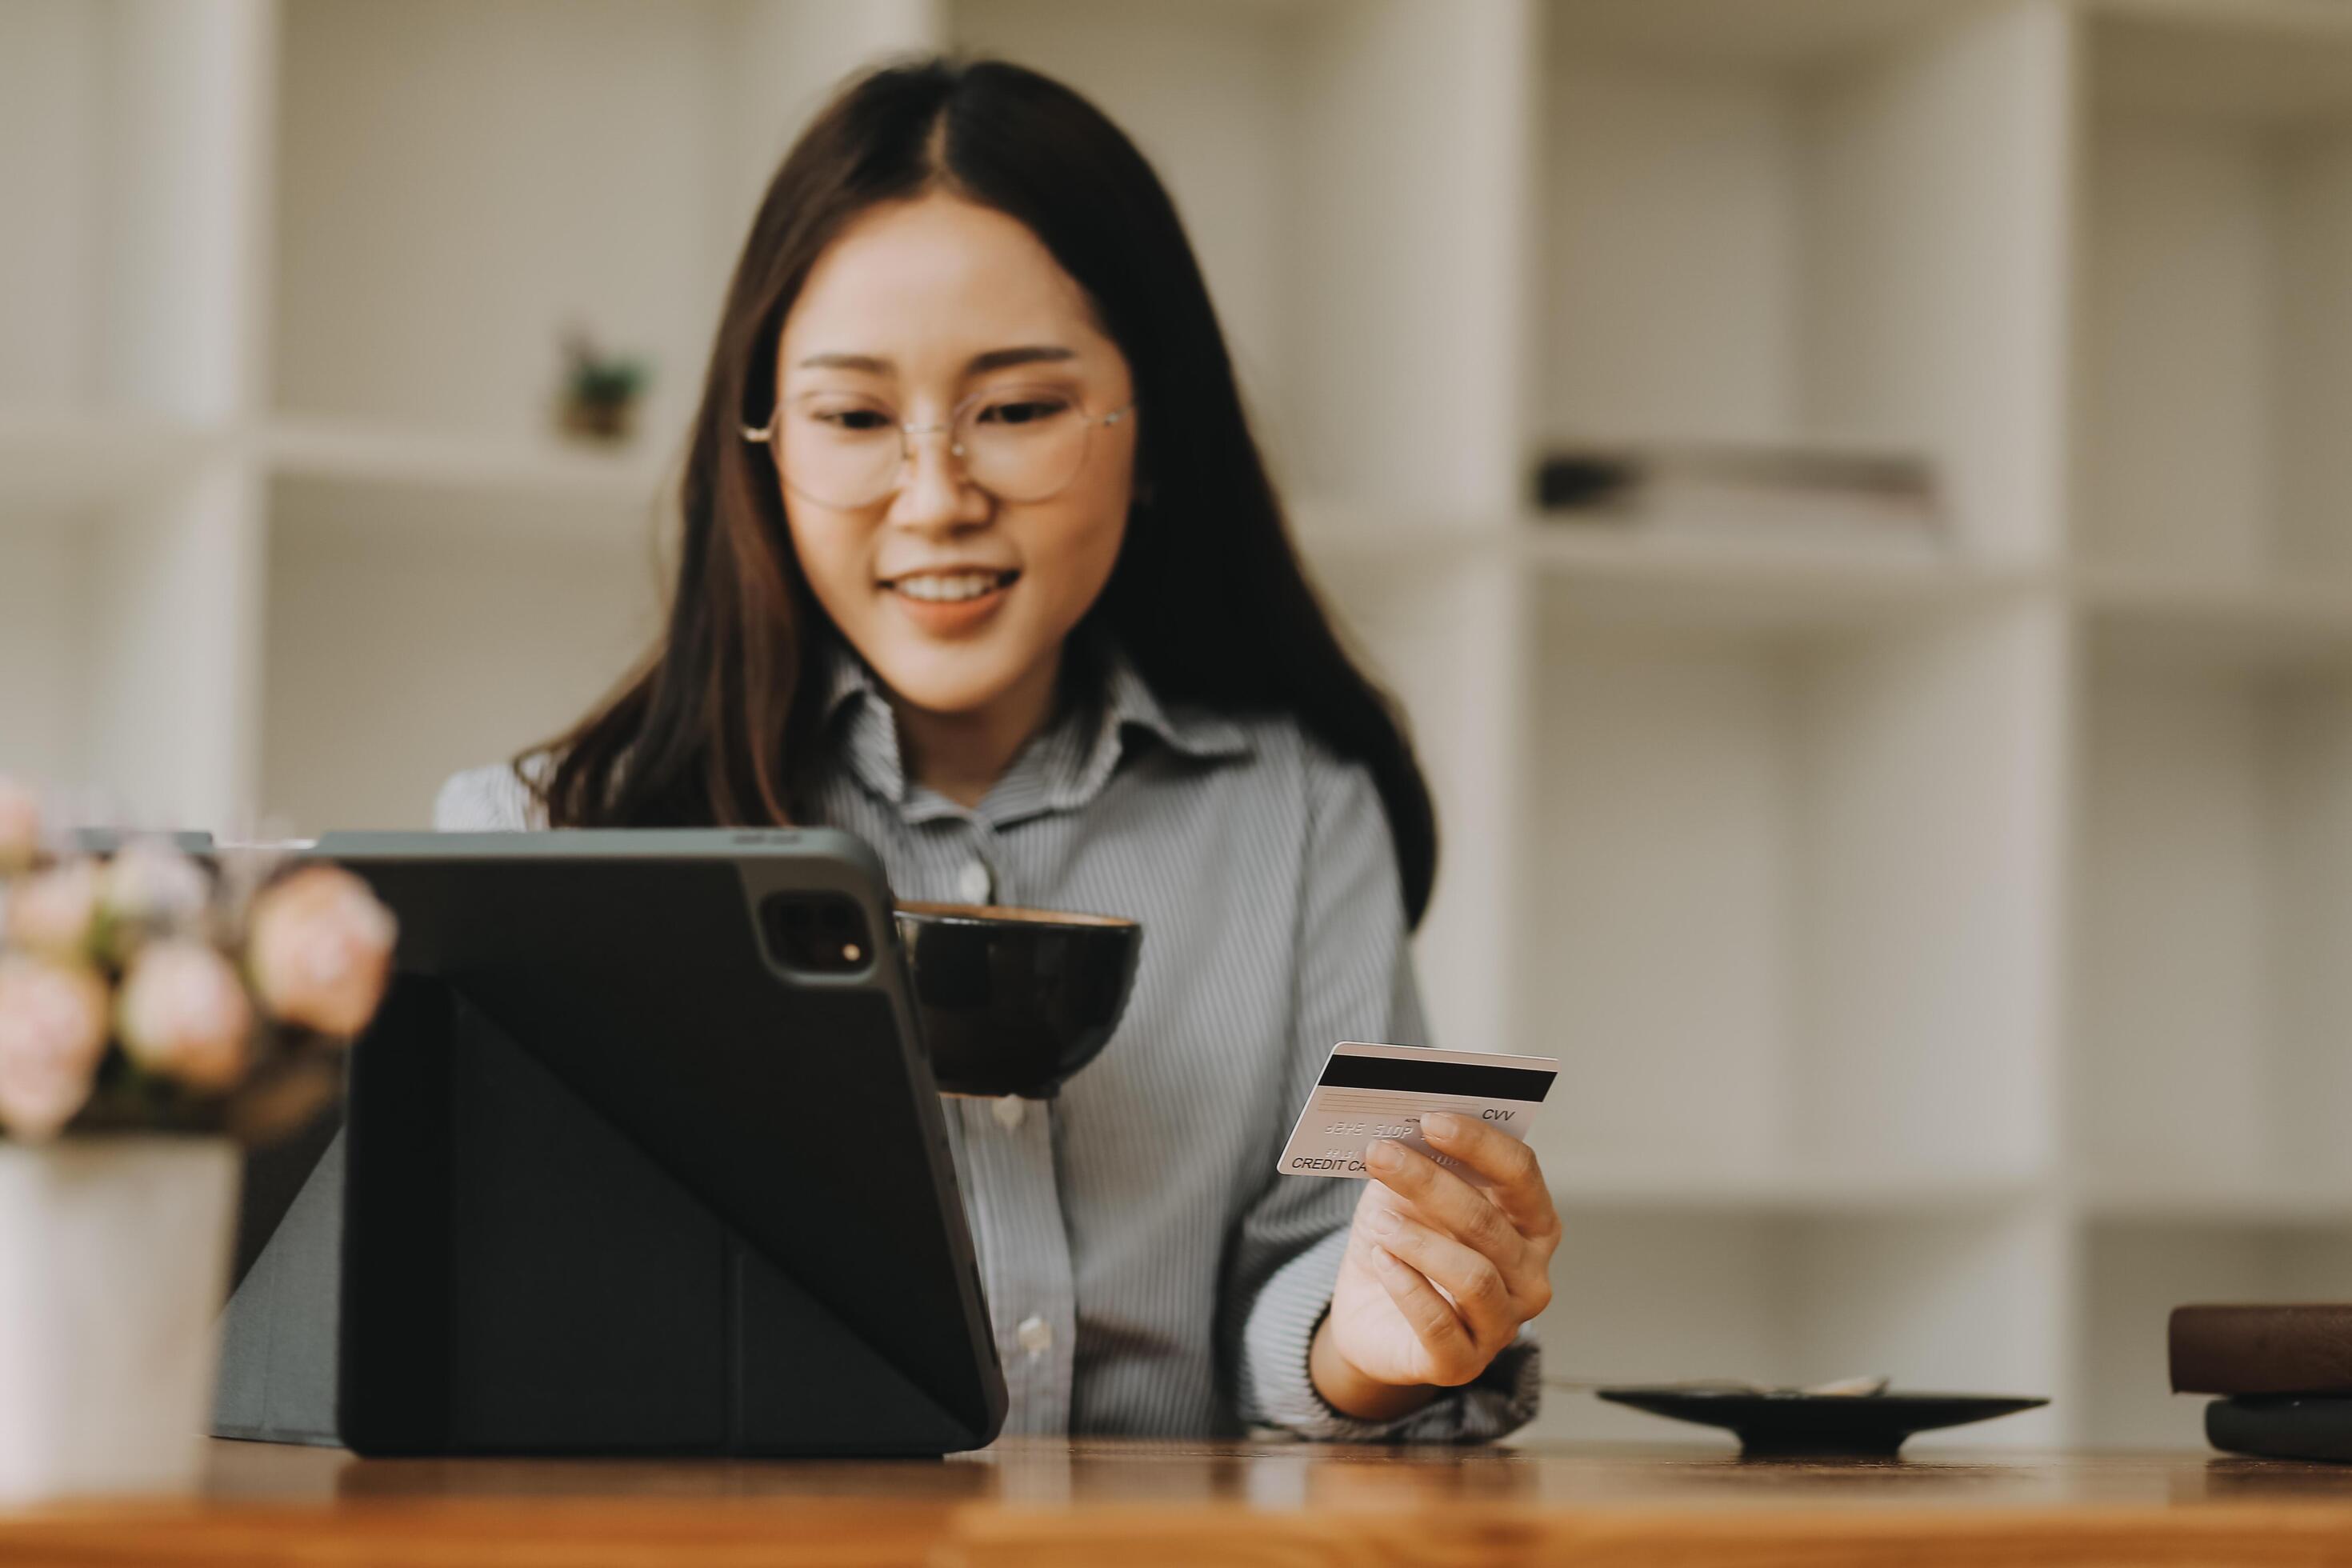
x=2216 y=336
x=1837 y=224
x=2214 y=900
x=1792 y=893
x=54 y=80
x=1443 y=637
x=44 y=648
x=458 y=184
x=1378 y=351
x=127 y=132
x=1959 y=1302
x=124 y=636
x=2136 y=1272
x=391 y=667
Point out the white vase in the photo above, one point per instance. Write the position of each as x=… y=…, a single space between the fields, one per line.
x=113 y=1261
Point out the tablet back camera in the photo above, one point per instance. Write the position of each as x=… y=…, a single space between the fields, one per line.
x=816 y=933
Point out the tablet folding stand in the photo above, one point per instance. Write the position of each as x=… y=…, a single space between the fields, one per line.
x=483 y=1261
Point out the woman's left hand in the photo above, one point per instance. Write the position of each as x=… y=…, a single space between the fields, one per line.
x=1438 y=1275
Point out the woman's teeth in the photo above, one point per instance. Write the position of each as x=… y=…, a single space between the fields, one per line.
x=950 y=590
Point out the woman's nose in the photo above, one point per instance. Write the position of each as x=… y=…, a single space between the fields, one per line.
x=934 y=491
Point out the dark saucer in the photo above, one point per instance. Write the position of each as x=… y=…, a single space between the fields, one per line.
x=1792 y=1425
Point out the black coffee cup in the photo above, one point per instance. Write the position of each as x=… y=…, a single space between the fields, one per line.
x=1015 y=1001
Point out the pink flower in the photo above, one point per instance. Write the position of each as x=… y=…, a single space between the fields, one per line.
x=322 y=950
x=20 y=827
x=183 y=1013
x=149 y=883
x=52 y=1033
x=56 y=912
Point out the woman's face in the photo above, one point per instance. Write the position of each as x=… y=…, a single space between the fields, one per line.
x=920 y=308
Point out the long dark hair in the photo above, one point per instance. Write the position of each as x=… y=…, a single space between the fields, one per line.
x=1207 y=596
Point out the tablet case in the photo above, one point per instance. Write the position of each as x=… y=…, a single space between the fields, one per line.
x=614 y=1182
x=2281 y=1427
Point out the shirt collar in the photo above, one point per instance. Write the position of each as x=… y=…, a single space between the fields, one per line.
x=1061 y=769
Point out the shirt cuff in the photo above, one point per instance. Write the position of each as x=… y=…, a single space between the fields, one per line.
x=1279 y=1391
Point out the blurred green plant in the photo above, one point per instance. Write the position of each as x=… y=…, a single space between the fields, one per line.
x=601 y=391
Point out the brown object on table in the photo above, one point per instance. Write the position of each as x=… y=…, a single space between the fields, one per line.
x=2288 y=1349
x=1136 y=1504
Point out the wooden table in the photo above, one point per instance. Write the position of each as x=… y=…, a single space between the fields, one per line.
x=1136 y=1504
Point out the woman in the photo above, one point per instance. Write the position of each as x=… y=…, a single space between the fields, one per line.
x=982 y=563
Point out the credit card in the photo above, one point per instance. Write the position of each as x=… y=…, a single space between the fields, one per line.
x=1367 y=1092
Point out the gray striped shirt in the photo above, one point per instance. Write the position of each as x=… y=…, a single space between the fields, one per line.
x=1147 y=1271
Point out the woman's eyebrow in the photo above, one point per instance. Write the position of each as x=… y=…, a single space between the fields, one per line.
x=1034 y=354
x=994 y=359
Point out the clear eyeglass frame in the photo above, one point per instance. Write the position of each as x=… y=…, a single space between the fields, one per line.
x=767 y=436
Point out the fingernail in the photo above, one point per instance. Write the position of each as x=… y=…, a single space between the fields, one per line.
x=1444 y=1124
x=1382 y=1221
x=1385 y=1154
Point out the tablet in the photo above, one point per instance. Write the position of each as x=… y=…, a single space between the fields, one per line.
x=641 y=1155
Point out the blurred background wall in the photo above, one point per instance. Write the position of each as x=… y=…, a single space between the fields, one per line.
x=1915 y=802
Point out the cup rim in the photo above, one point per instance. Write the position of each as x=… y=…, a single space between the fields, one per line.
x=986 y=914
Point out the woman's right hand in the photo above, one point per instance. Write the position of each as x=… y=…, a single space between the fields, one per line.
x=1438 y=1275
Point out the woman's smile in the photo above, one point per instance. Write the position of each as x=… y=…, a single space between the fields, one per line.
x=949 y=603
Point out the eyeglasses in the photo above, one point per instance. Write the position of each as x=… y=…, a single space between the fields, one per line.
x=847 y=450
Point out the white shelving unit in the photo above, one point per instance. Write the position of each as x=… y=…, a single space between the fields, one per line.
x=2212 y=527
x=1942 y=949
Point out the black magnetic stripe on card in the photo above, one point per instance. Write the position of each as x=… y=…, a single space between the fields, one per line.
x=1403 y=1073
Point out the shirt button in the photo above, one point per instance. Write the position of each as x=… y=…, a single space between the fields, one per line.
x=1035 y=1334
x=1008 y=1110
x=972 y=883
